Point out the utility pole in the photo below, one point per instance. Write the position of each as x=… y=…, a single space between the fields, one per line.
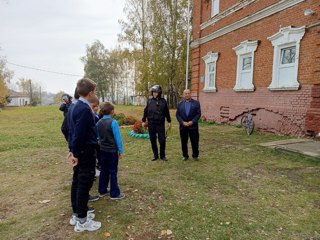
x=188 y=40
x=40 y=96
x=30 y=92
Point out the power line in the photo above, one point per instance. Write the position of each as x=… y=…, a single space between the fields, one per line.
x=43 y=70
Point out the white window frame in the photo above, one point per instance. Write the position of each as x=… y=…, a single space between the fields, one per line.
x=286 y=37
x=210 y=58
x=245 y=49
x=215 y=7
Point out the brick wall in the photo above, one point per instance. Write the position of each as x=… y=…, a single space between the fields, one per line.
x=312 y=119
x=287 y=112
x=277 y=111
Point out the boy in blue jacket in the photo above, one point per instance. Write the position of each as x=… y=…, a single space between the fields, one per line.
x=111 y=151
x=83 y=158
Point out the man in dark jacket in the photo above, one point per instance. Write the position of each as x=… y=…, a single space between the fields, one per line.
x=188 y=114
x=64 y=107
x=156 y=111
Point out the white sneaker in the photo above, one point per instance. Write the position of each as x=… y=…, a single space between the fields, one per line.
x=74 y=219
x=88 y=225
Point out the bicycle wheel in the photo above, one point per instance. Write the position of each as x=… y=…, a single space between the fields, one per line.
x=243 y=121
x=249 y=126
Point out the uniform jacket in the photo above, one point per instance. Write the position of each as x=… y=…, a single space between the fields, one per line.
x=156 y=111
x=194 y=114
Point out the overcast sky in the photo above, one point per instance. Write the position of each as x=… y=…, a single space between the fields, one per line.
x=52 y=35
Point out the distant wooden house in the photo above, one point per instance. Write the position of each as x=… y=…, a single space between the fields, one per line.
x=18 y=99
x=259 y=56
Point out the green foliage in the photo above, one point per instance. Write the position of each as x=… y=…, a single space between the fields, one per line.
x=157 y=30
x=57 y=97
x=105 y=67
x=122 y=119
x=204 y=121
x=5 y=77
x=31 y=88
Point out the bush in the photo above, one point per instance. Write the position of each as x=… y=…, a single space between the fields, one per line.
x=119 y=116
x=126 y=121
x=138 y=129
x=123 y=120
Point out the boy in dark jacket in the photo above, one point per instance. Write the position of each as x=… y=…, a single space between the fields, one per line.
x=83 y=158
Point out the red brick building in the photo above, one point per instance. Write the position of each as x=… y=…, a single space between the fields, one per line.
x=258 y=55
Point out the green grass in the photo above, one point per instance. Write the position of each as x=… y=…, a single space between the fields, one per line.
x=238 y=190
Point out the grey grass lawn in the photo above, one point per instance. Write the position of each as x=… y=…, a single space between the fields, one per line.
x=237 y=190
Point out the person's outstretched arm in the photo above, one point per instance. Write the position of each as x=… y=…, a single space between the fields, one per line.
x=117 y=136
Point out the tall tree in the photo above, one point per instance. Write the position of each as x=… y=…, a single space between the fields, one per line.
x=157 y=30
x=57 y=97
x=136 y=31
x=96 y=67
x=31 y=88
x=5 y=77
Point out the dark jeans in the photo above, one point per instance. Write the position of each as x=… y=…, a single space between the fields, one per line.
x=65 y=129
x=109 y=171
x=154 y=129
x=193 y=133
x=82 y=181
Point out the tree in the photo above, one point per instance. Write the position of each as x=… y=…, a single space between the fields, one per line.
x=5 y=77
x=136 y=31
x=106 y=68
x=57 y=97
x=31 y=88
x=95 y=67
x=157 y=30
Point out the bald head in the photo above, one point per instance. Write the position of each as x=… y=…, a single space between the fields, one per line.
x=187 y=94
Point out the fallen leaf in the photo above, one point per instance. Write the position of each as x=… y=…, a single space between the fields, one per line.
x=163 y=232
x=107 y=234
x=169 y=232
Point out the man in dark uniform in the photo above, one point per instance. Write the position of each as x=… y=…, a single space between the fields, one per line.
x=188 y=114
x=155 y=112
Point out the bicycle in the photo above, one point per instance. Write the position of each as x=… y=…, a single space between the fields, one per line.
x=248 y=123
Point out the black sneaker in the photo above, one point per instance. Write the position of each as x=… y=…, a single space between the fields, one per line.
x=93 y=198
x=164 y=159
x=120 y=196
x=154 y=159
x=185 y=158
x=196 y=158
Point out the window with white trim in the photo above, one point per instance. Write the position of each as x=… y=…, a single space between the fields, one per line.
x=210 y=71
x=286 y=45
x=245 y=53
x=215 y=7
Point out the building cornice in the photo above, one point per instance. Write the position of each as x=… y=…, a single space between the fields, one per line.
x=266 y=12
x=226 y=13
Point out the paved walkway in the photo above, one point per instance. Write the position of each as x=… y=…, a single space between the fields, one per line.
x=303 y=146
